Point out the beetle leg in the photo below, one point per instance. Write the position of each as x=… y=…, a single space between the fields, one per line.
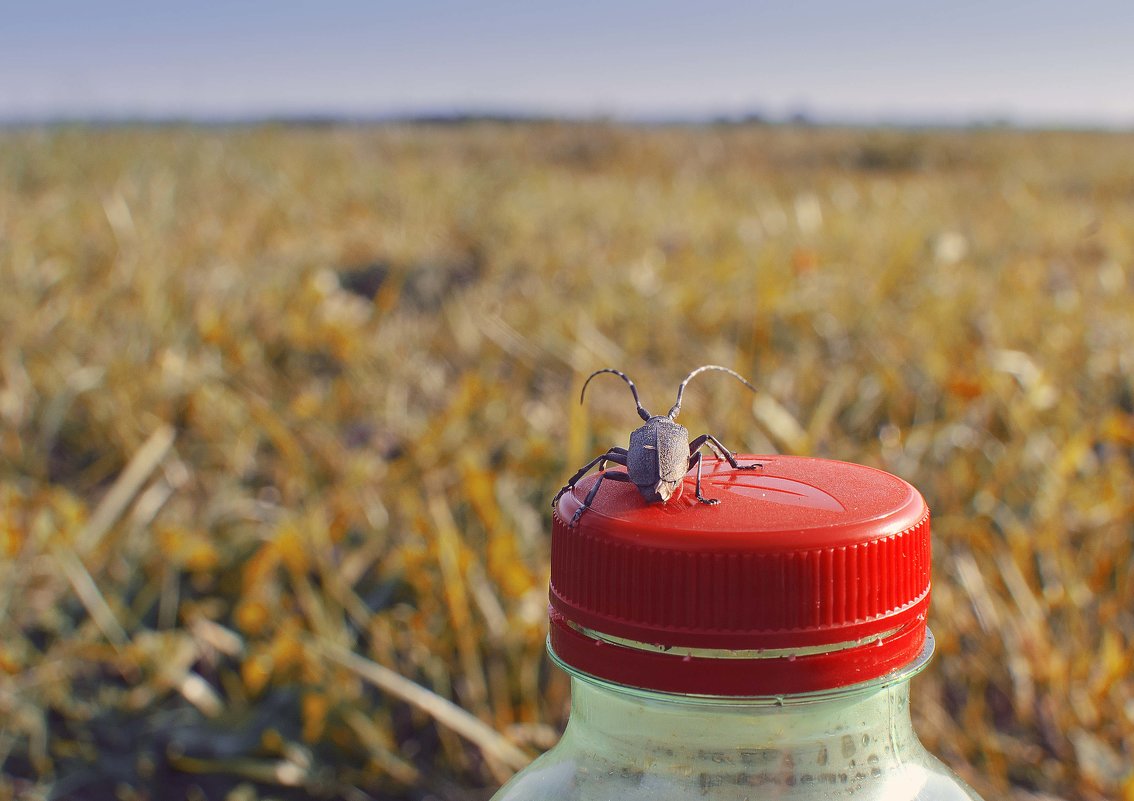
x=615 y=454
x=720 y=450
x=695 y=459
x=613 y=475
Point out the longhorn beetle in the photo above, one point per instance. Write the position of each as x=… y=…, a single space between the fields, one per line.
x=660 y=453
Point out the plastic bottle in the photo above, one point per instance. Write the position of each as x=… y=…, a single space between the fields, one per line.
x=761 y=648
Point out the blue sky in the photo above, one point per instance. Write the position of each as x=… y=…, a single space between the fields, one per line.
x=1039 y=62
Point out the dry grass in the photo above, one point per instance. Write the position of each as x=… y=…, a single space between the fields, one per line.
x=281 y=411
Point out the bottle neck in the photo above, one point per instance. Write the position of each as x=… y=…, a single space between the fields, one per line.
x=836 y=737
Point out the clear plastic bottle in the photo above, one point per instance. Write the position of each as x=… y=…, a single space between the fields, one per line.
x=758 y=649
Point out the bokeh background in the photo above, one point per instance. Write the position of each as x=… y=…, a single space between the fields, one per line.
x=296 y=306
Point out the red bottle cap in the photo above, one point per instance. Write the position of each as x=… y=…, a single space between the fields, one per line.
x=810 y=574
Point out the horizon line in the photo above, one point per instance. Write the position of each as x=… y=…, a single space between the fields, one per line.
x=322 y=119
x=456 y=115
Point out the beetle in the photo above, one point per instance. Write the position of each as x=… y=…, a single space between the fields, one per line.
x=660 y=453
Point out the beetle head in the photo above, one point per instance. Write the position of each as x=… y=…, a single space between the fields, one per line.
x=661 y=491
x=665 y=489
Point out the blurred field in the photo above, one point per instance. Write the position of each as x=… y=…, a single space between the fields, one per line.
x=271 y=397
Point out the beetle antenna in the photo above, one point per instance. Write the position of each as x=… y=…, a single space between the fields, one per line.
x=633 y=389
x=676 y=410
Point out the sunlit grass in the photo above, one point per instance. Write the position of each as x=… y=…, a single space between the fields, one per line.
x=270 y=397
